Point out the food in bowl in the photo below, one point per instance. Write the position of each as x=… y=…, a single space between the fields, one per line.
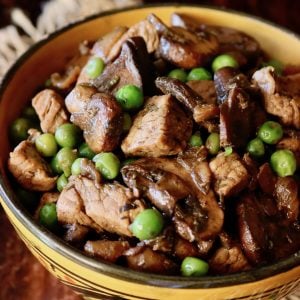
x=167 y=150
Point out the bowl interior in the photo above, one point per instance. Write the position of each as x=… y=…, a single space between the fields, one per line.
x=51 y=54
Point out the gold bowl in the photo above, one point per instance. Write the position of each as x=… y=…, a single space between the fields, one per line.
x=100 y=280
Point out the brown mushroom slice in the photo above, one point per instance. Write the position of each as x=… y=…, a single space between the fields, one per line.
x=190 y=99
x=29 y=169
x=75 y=233
x=132 y=66
x=286 y=106
x=205 y=89
x=101 y=120
x=266 y=179
x=182 y=47
x=66 y=80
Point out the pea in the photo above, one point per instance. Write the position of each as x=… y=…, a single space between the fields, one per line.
x=126 y=122
x=193 y=266
x=277 y=65
x=213 y=143
x=46 y=144
x=147 y=224
x=195 y=140
x=94 y=67
x=61 y=182
x=30 y=113
x=224 y=60
x=19 y=128
x=256 y=147
x=130 y=97
x=48 y=215
x=64 y=160
x=55 y=167
x=86 y=151
x=199 y=74
x=228 y=151
x=270 y=132
x=283 y=162
x=107 y=164
x=178 y=74
x=76 y=166
x=68 y=135
x=48 y=83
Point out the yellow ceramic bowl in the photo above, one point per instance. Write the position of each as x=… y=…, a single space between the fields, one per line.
x=100 y=280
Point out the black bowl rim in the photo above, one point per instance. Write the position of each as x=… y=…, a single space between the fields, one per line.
x=112 y=270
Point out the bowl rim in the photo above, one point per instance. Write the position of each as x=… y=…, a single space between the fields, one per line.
x=112 y=270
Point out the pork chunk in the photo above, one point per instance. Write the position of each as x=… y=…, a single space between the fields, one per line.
x=231 y=176
x=29 y=169
x=49 y=106
x=161 y=128
x=205 y=89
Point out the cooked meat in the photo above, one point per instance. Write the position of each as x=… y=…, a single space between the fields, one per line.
x=107 y=250
x=101 y=120
x=79 y=97
x=285 y=106
x=205 y=89
x=49 y=197
x=290 y=85
x=143 y=29
x=184 y=248
x=29 y=169
x=132 y=66
x=252 y=168
x=266 y=179
x=190 y=99
x=161 y=128
x=67 y=80
x=75 y=233
x=287 y=197
x=103 y=47
x=147 y=260
x=49 y=106
x=182 y=47
x=230 y=174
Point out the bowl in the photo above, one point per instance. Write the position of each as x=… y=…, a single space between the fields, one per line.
x=100 y=280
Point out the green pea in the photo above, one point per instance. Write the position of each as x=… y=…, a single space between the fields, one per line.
x=86 y=151
x=94 y=67
x=277 y=65
x=76 y=166
x=213 y=143
x=46 y=144
x=228 y=151
x=48 y=83
x=195 y=140
x=147 y=224
x=130 y=97
x=61 y=182
x=256 y=147
x=30 y=113
x=270 y=132
x=283 y=162
x=194 y=267
x=199 y=74
x=64 y=160
x=107 y=164
x=48 y=215
x=224 y=60
x=126 y=122
x=178 y=74
x=55 y=167
x=68 y=135
x=19 y=129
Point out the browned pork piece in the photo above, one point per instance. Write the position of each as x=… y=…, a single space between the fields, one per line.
x=205 y=89
x=101 y=120
x=161 y=128
x=105 y=249
x=49 y=106
x=190 y=99
x=278 y=101
x=29 y=169
x=132 y=66
x=266 y=179
x=230 y=174
x=183 y=47
x=75 y=233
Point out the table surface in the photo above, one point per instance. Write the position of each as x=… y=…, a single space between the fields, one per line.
x=28 y=280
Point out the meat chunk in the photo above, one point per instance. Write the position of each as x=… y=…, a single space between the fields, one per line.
x=161 y=128
x=231 y=176
x=164 y=242
x=266 y=179
x=30 y=170
x=147 y=260
x=101 y=121
x=205 y=89
x=286 y=106
x=184 y=248
x=107 y=250
x=75 y=233
x=182 y=47
x=132 y=66
x=190 y=99
x=49 y=106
